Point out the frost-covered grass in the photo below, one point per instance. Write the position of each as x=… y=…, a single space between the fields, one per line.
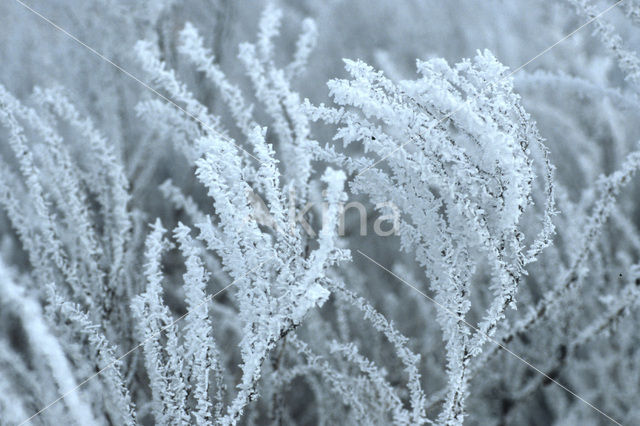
x=177 y=247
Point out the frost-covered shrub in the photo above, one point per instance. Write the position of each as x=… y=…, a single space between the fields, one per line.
x=463 y=184
x=175 y=254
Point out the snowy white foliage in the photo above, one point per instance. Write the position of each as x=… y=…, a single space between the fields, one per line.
x=178 y=247
x=463 y=184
